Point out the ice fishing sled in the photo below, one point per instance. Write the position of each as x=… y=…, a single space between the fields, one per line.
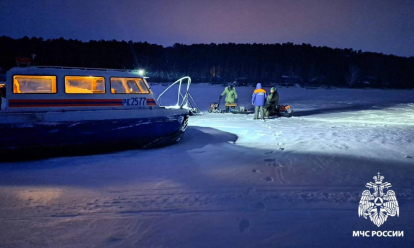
x=241 y=110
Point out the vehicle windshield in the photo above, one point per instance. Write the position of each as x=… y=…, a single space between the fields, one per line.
x=128 y=86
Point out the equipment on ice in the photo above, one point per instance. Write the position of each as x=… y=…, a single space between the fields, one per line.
x=241 y=110
x=230 y=107
x=284 y=110
x=281 y=110
x=214 y=107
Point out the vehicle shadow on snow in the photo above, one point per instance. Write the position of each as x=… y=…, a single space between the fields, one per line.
x=197 y=137
x=194 y=138
x=204 y=149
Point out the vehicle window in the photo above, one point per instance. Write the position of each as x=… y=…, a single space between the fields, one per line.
x=117 y=87
x=128 y=86
x=143 y=86
x=133 y=87
x=34 y=84
x=84 y=85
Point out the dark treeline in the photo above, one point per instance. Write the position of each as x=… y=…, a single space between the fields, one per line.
x=249 y=63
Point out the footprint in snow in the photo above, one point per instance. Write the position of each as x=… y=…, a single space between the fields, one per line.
x=256 y=171
x=268 y=179
x=408 y=157
x=112 y=240
x=269 y=160
x=244 y=225
x=276 y=165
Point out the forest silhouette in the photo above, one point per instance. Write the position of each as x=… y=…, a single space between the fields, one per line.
x=247 y=63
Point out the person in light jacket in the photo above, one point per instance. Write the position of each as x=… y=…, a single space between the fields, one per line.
x=231 y=95
x=259 y=100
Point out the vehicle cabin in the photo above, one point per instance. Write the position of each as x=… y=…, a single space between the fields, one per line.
x=60 y=87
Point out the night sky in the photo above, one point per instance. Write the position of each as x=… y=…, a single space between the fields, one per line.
x=385 y=26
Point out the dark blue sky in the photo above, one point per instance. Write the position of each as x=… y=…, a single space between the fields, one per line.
x=385 y=26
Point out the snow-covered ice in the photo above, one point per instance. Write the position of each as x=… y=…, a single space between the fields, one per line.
x=230 y=182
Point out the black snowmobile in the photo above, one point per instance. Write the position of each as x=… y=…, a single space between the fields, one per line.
x=282 y=111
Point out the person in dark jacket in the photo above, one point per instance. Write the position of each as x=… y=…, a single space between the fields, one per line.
x=272 y=102
x=2 y=94
x=258 y=100
x=231 y=95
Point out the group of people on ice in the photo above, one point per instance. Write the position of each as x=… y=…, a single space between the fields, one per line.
x=264 y=105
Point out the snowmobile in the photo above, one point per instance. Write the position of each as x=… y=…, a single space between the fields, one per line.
x=281 y=111
x=284 y=110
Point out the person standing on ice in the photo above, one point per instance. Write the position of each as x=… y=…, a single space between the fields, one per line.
x=231 y=95
x=271 y=102
x=258 y=100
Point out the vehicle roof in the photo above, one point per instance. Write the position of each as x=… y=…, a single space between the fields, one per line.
x=74 y=71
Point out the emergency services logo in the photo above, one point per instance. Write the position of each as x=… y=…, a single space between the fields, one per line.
x=378 y=206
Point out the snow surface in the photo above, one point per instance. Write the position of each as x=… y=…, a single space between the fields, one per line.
x=230 y=182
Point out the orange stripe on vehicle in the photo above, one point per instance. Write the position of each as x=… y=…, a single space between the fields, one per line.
x=67 y=100
x=64 y=103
